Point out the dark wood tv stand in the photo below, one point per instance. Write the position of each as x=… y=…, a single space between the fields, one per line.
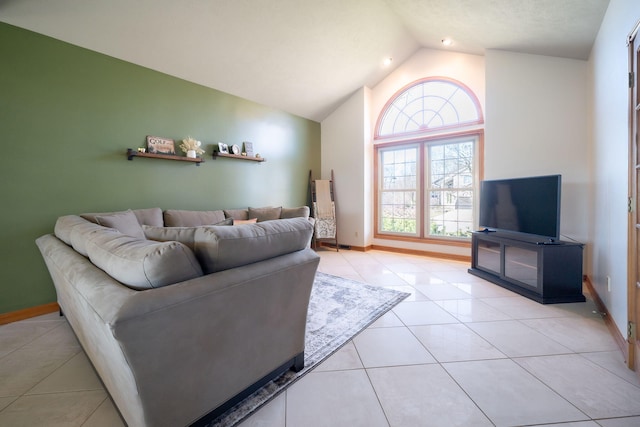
x=544 y=271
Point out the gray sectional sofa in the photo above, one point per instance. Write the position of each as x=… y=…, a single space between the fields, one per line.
x=182 y=318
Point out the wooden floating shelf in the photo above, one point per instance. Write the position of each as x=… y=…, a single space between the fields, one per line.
x=217 y=154
x=133 y=153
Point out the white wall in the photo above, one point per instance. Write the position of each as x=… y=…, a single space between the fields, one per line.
x=345 y=149
x=536 y=124
x=607 y=74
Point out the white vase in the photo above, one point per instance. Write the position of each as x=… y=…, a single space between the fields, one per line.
x=191 y=154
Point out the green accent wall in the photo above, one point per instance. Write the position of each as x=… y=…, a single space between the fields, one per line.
x=67 y=117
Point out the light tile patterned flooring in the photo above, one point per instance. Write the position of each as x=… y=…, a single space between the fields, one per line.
x=459 y=351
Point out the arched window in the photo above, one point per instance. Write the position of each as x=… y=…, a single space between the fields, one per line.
x=428 y=171
x=427 y=105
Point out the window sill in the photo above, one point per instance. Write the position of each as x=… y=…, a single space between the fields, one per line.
x=457 y=242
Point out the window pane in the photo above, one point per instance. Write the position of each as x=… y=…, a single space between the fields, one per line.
x=450 y=209
x=398 y=211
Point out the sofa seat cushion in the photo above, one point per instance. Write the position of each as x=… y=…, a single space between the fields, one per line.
x=183 y=218
x=220 y=248
x=140 y=263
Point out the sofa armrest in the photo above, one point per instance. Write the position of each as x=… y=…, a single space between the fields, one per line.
x=194 y=345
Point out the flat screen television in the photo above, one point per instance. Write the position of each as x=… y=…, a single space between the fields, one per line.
x=528 y=205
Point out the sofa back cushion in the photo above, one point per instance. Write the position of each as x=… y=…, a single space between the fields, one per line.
x=183 y=218
x=265 y=214
x=81 y=233
x=185 y=235
x=65 y=224
x=240 y=214
x=139 y=263
x=220 y=248
x=301 y=212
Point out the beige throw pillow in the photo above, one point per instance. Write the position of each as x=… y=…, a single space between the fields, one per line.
x=245 y=221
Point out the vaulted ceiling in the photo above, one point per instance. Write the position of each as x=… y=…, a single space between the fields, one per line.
x=305 y=56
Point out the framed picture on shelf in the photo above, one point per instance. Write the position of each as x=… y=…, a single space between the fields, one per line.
x=223 y=148
x=159 y=145
x=248 y=148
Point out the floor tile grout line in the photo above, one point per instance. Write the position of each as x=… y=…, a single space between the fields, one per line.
x=556 y=392
x=26 y=393
x=31 y=341
x=582 y=354
x=96 y=409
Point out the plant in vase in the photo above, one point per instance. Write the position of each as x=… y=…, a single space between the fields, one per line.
x=191 y=147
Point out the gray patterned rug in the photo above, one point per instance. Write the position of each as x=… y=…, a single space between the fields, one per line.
x=338 y=309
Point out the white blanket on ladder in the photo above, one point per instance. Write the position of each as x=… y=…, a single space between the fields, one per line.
x=324 y=211
x=325 y=227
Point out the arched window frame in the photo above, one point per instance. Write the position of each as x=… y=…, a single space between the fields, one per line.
x=422 y=81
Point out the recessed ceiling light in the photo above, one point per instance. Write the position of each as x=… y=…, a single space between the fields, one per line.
x=447 y=42
x=387 y=61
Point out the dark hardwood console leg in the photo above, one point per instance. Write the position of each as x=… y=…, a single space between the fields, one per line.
x=298 y=362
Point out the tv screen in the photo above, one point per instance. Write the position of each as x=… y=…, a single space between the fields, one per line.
x=524 y=205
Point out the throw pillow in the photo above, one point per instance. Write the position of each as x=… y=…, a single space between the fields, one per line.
x=265 y=214
x=245 y=221
x=125 y=222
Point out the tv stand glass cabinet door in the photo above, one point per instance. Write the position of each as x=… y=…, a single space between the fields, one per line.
x=508 y=261
x=521 y=264
x=489 y=256
x=544 y=273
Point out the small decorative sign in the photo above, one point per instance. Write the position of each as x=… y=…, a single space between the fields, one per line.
x=248 y=148
x=160 y=145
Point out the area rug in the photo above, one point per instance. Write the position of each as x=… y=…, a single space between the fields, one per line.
x=339 y=309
